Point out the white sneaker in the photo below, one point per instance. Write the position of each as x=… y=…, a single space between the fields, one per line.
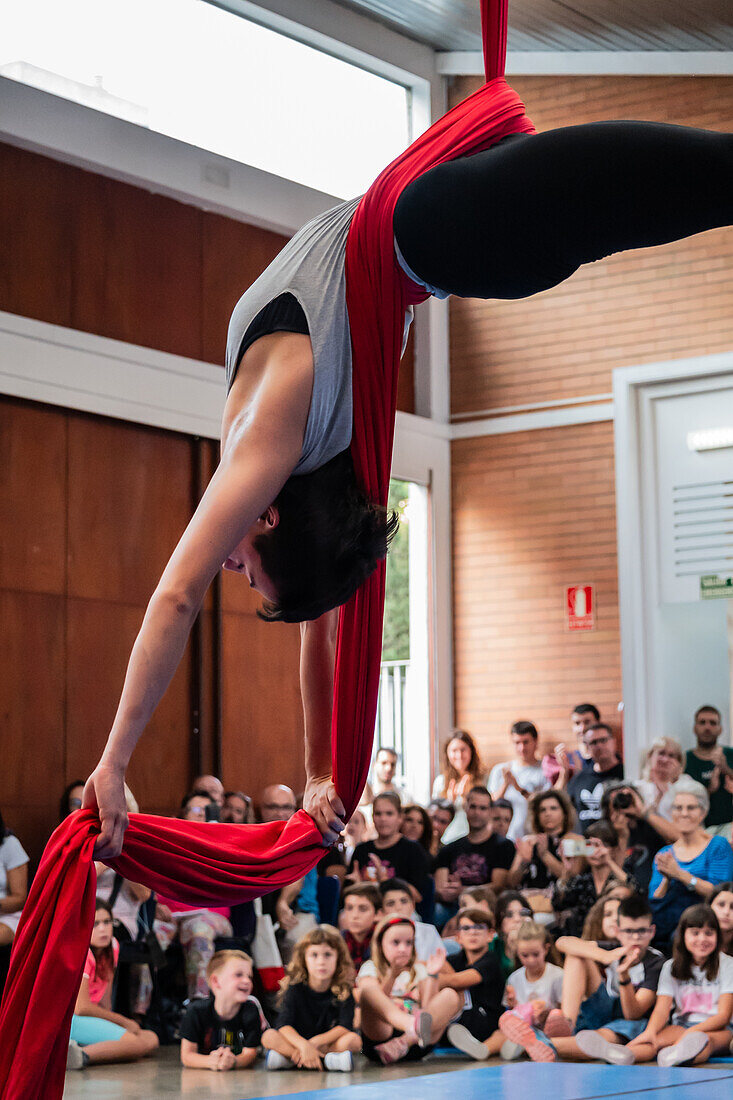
x=463 y=1040
x=339 y=1061
x=689 y=1046
x=278 y=1061
x=510 y=1051
x=75 y=1058
x=595 y=1046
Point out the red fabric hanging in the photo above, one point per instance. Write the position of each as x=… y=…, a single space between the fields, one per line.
x=208 y=864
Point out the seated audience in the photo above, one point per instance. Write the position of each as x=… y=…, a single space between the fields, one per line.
x=223 y=1032
x=639 y=839
x=534 y=991
x=587 y=956
x=502 y=813
x=475 y=860
x=474 y=897
x=390 y=853
x=397 y=901
x=518 y=779
x=13 y=883
x=99 y=1035
x=687 y=871
x=712 y=765
x=662 y=767
x=475 y=974
x=572 y=755
x=462 y=770
x=385 y=769
x=71 y=798
x=721 y=903
x=586 y=786
x=315 y=1026
x=295 y=907
x=441 y=812
x=417 y=826
x=616 y=1009
x=236 y=808
x=402 y=1011
x=538 y=860
x=573 y=894
x=512 y=910
x=359 y=916
x=212 y=786
x=357 y=830
x=696 y=986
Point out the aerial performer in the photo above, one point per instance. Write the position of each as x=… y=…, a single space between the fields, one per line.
x=479 y=206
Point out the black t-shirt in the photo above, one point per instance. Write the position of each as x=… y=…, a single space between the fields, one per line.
x=489 y=992
x=473 y=863
x=585 y=791
x=203 y=1026
x=406 y=859
x=311 y=1013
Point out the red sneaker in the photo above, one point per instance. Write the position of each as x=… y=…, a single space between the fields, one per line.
x=556 y=1025
x=392 y=1051
x=524 y=1035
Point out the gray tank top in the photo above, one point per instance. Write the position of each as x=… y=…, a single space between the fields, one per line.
x=312 y=268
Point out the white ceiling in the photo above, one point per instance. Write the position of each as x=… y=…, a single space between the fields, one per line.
x=567 y=25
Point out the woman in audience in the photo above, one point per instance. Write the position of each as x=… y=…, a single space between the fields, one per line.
x=441 y=813
x=696 y=986
x=402 y=1011
x=196 y=928
x=574 y=894
x=357 y=831
x=13 y=883
x=721 y=902
x=663 y=766
x=416 y=825
x=71 y=798
x=462 y=770
x=639 y=839
x=99 y=1035
x=512 y=909
x=687 y=871
x=538 y=862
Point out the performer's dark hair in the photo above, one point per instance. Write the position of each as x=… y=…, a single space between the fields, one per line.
x=329 y=539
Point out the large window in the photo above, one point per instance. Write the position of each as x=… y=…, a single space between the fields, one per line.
x=199 y=73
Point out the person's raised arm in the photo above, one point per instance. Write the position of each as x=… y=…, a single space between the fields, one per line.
x=317 y=661
x=252 y=471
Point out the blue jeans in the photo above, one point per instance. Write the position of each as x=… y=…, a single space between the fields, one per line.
x=603 y=1010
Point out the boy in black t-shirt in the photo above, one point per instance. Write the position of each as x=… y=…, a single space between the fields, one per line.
x=224 y=1031
x=475 y=971
x=391 y=855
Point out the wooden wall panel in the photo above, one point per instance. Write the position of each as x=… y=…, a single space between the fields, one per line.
x=32 y=498
x=532 y=513
x=649 y=305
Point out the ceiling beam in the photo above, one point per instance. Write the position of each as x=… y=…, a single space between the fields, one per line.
x=593 y=63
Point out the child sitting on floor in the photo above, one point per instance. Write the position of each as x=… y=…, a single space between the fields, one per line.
x=402 y=1011
x=223 y=1031
x=99 y=1035
x=618 y=1008
x=397 y=901
x=696 y=985
x=361 y=910
x=315 y=1028
x=587 y=956
x=473 y=897
x=475 y=973
x=534 y=992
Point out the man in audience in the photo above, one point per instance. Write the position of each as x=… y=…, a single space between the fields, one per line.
x=213 y=787
x=712 y=765
x=586 y=787
x=502 y=813
x=478 y=859
x=276 y=803
x=572 y=755
x=295 y=907
x=385 y=769
x=519 y=778
x=441 y=812
x=235 y=810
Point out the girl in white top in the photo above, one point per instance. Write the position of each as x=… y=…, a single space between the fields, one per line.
x=535 y=989
x=402 y=1012
x=696 y=986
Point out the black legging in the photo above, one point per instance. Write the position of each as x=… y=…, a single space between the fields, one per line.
x=524 y=215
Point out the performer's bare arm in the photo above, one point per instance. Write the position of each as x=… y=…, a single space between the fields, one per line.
x=251 y=473
x=317 y=659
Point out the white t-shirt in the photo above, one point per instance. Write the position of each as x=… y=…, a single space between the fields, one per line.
x=12 y=855
x=548 y=988
x=696 y=1000
x=531 y=778
x=402 y=986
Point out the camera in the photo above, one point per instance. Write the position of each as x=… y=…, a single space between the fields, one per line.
x=622 y=801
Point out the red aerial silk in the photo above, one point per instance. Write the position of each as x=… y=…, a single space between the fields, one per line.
x=203 y=864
